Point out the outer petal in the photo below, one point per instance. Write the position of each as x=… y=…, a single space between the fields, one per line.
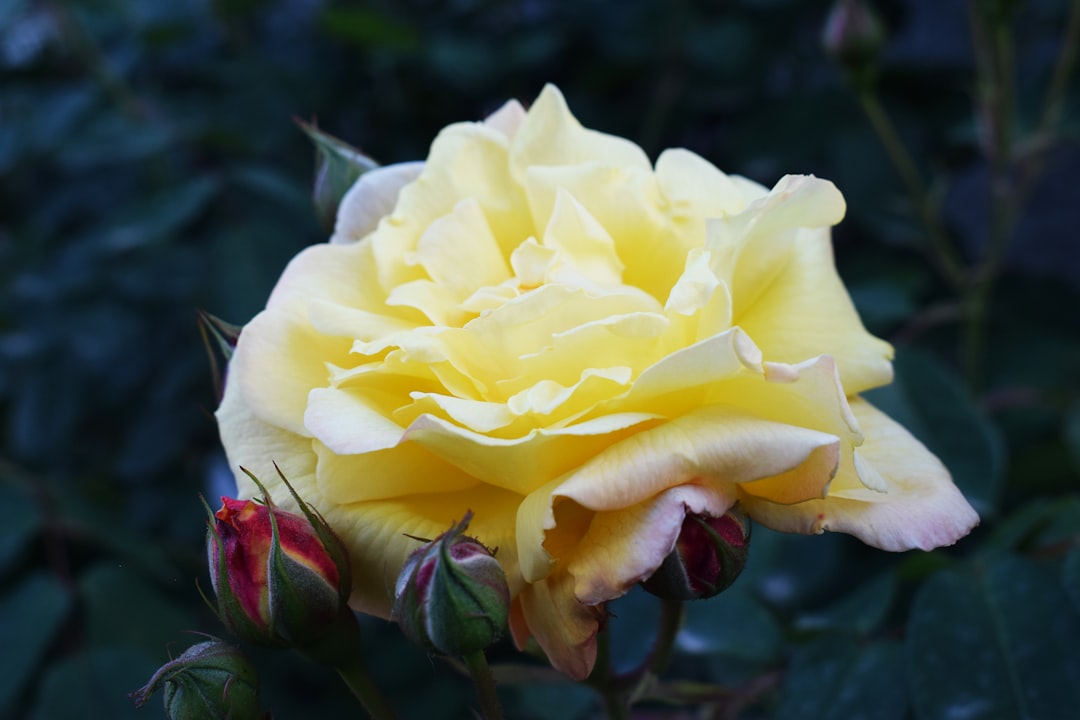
x=551 y=135
x=624 y=547
x=563 y=627
x=921 y=508
x=371 y=198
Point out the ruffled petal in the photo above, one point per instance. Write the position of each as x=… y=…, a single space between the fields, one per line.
x=370 y=199
x=921 y=507
x=563 y=627
x=624 y=547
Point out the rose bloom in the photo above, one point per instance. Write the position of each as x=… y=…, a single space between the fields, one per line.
x=539 y=325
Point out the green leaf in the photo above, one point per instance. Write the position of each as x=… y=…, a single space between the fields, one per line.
x=836 y=678
x=932 y=402
x=994 y=641
x=860 y=612
x=734 y=623
x=337 y=166
x=122 y=608
x=33 y=614
x=95 y=684
x=20 y=519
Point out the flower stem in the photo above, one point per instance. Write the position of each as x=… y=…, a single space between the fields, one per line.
x=364 y=689
x=485 y=685
x=672 y=613
x=603 y=680
x=946 y=256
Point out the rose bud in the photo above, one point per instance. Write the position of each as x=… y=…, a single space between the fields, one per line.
x=853 y=37
x=452 y=596
x=209 y=680
x=280 y=579
x=709 y=554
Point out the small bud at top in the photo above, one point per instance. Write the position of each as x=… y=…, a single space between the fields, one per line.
x=708 y=556
x=452 y=596
x=853 y=36
x=209 y=680
x=280 y=579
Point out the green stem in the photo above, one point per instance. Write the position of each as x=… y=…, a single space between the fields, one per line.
x=672 y=613
x=1055 y=96
x=946 y=256
x=365 y=690
x=485 y=685
x=603 y=679
x=997 y=82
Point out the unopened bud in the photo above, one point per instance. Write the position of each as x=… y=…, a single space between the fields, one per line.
x=708 y=556
x=209 y=681
x=280 y=579
x=452 y=596
x=853 y=37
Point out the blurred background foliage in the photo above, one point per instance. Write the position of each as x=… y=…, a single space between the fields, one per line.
x=150 y=167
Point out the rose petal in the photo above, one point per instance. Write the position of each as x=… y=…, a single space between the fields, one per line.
x=507 y=119
x=624 y=547
x=563 y=627
x=922 y=508
x=371 y=198
x=398 y=471
x=551 y=135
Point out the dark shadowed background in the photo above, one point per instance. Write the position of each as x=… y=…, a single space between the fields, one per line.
x=150 y=167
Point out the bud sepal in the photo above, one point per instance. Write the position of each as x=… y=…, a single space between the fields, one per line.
x=209 y=680
x=452 y=596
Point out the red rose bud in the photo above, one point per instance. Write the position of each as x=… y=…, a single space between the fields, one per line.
x=209 y=680
x=708 y=555
x=280 y=579
x=452 y=595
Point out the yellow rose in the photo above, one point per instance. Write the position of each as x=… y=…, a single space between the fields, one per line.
x=539 y=325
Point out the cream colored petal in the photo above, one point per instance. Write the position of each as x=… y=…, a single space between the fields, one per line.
x=329 y=318
x=476 y=415
x=627 y=202
x=277 y=361
x=467 y=160
x=806 y=312
x=459 y=252
x=507 y=119
x=351 y=421
x=921 y=507
x=371 y=198
x=581 y=242
x=624 y=547
x=399 y=471
x=695 y=188
x=339 y=274
x=523 y=463
x=563 y=627
x=714 y=445
x=253 y=444
x=551 y=135
x=713 y=360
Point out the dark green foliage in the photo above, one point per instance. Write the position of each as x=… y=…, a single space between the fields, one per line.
x=150 y=168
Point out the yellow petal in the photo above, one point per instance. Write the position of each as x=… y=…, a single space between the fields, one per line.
x=550 y=136
x=459 y=252
x=371 y=198
x=507 y=119
x=395 y=472
x=583 y=245
x=696 y=189
x=521 y=464
x=276 y=391
x=921 y=507
x=624 y=547
x=563 y=627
